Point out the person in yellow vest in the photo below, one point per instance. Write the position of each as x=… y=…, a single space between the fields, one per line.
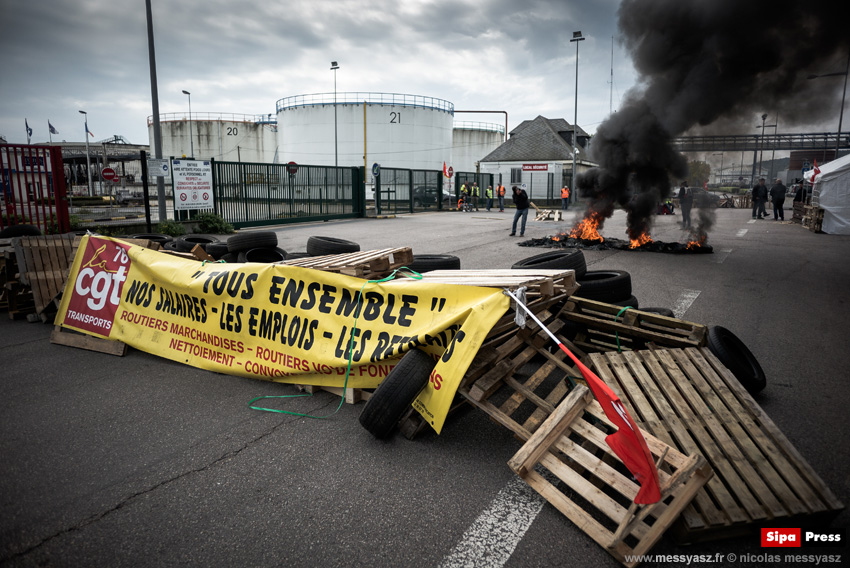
x=500 y=193
x=565 y=198
x=475 y=192
x=489 y=195
x=464 y=197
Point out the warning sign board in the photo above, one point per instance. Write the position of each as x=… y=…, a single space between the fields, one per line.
x=193 y=184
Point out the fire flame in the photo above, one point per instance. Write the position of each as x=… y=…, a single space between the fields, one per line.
x=588 y=228
x=697 y=241
x=642 y=239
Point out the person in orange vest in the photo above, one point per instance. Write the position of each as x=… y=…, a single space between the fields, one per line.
x=500 y=193
x=565 y=198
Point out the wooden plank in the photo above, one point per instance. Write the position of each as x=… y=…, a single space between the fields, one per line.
x=752 y=464
x=62 y=336
x=773 y=442
x=718 y=446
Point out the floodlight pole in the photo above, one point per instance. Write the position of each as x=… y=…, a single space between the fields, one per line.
x=191 y=138
x=88 y=159
x=574 y=194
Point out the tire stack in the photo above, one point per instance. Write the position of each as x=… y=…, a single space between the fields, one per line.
x=609 y=286
x=254 y=246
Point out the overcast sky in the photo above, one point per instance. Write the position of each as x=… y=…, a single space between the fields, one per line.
x=62 y=56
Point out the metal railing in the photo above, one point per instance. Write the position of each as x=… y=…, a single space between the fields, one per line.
x=222 y=116
x=394 y=99
x=252 y=194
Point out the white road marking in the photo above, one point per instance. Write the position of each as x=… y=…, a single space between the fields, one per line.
x=751 y=221
x=743 y=232
x=494 y=535
x=686 y=298
x=719 y=257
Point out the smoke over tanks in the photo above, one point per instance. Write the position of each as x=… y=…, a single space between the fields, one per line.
x=703 y=66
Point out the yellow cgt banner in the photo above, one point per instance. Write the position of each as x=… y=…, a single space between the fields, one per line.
x=276 y=322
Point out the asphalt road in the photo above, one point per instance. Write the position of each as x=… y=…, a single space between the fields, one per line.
x=140 y=461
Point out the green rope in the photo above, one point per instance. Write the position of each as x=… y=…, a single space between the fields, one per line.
x=617 y=335
x=413 y=274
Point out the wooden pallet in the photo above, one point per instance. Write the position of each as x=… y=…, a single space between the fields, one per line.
x=369 y=264
x=813 y=218
x=596 y=491
x=547 y=214
x=602 y=327
x=689 y=400
x=43 y=262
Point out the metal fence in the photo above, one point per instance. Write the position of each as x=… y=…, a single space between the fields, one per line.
x=32 y=188
x=251 y=194
x=399 y=190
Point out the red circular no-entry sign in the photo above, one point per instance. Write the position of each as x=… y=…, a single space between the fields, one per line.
x=292 y=168
x=108 y=174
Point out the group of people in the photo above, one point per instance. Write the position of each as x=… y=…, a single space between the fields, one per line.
x=469 y=195
x=776 y=194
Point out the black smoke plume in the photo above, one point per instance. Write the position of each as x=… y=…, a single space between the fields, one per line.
x=707 y=65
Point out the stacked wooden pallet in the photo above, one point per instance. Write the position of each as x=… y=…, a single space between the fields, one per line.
x=370 y=264
x=813 y=218
x=15 y=297
x=597 y=326
x=43 y=262
x=689 y=400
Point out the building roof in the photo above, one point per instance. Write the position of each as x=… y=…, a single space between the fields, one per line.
x=538 y=139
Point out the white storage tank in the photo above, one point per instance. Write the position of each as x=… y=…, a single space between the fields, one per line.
x=471 y=141
x=355 y=129
x=226 y=137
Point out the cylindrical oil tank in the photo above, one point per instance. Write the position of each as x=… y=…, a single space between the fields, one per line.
x=224 y=136
x=363 y=128
x=471 y=141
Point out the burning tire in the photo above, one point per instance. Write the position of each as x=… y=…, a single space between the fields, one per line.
x=605 y=285
x=429 y=262
x=396 y=393
x=320 y=246
x=736 y=357
x=571 y=259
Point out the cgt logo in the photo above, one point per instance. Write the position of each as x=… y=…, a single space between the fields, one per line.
x=780 y=538
x=97 y=286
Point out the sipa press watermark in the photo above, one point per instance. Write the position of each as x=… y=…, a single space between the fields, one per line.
x=802 y=538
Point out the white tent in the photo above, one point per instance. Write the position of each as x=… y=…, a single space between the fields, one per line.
x=833 y=183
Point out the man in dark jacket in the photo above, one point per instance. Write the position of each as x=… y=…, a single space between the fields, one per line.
x=759 y=199
x=520 y=198
x=686 y=201
x=777 y=197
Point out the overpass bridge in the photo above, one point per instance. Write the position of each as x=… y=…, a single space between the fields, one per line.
x=757 y=142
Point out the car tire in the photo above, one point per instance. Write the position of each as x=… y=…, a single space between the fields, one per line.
x=631 y=302
x=262 y=254
x=294 y=255
x=187 y=242
x=320 y=246
x=605 y=285
x=230 y=257
x=428 y=262
x=252 y=240
x=154 y=237
x=566 y=259
x=20 y=231
x=736 y=357
x=216 y=250
x=396 y=393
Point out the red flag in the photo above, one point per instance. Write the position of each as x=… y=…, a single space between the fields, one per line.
x=445 y=171
x=627 y=442
x=815 y=172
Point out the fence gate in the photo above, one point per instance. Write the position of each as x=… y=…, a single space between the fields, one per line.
x=32 y=183
x=252 y=194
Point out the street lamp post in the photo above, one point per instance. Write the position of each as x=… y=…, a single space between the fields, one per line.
x=88 y=159
x=846 y=73
x=576 y=38
x=191 y=142
x=334 y=67
x=761 y=145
